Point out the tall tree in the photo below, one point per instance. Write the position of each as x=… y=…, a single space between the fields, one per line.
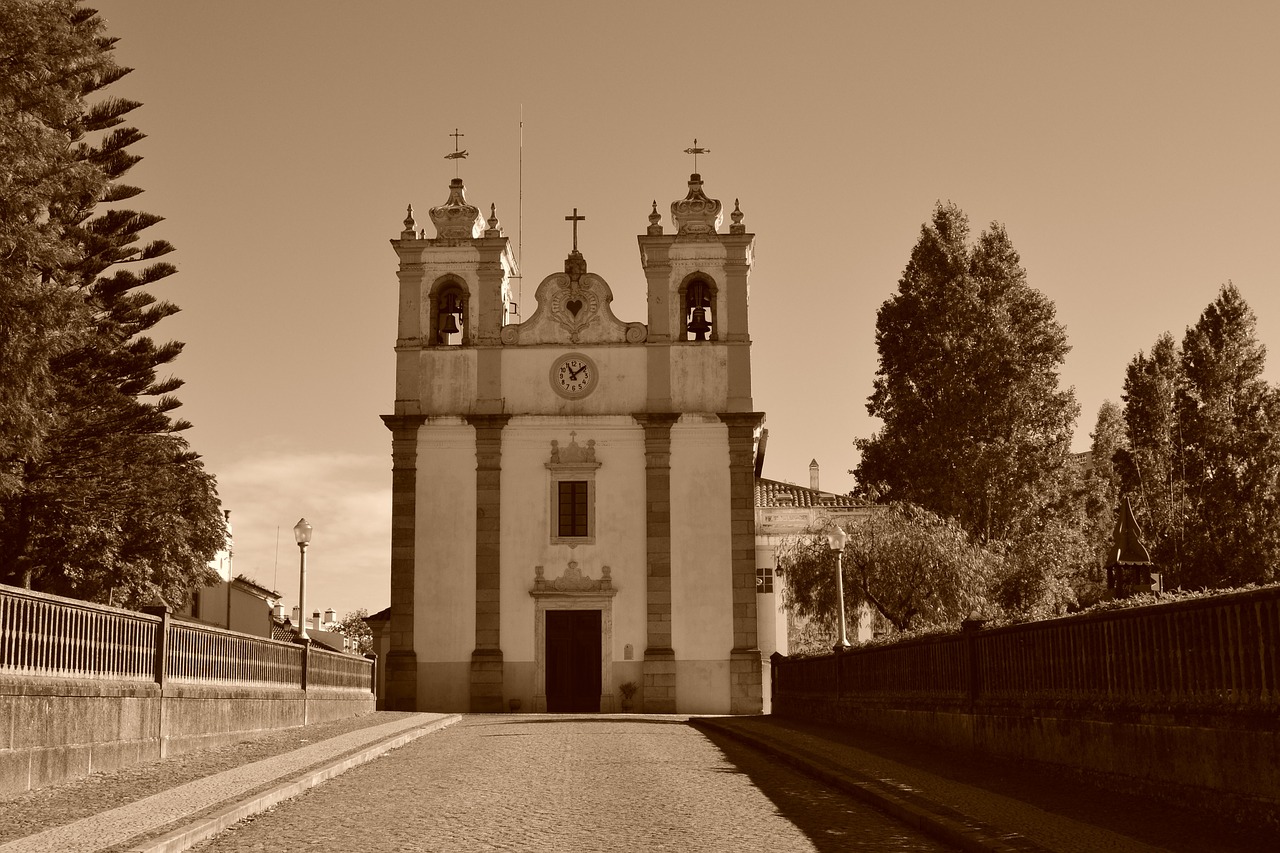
x=102 y=497
x=1203 y=461
x=1149 y=468
x=976 y=427
x=1230 y=448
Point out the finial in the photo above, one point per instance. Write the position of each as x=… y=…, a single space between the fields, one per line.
x=410 y=226
x=495 y=228
x=695 y=151
x=737 y=227
x=654 y=219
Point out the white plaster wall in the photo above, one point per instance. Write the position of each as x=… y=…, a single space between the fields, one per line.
x=447 y=380
x=701 y=565
x=444 y=589
x=527 y=514
x=621 y=387
x=700 y=377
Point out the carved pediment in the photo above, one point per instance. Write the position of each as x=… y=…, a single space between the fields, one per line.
x=572 y=582
x=574 y=308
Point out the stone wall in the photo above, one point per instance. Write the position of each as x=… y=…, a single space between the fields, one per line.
x=86 y=688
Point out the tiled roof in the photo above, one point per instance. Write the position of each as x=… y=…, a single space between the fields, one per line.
x=775 y=493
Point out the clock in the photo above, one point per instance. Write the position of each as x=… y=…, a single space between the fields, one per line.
x=574 y=375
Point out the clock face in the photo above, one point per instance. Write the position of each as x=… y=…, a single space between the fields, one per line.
x=573 y=375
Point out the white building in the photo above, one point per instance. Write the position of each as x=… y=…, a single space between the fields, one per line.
x=573 y=501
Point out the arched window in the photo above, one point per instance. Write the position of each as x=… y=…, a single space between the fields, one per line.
x=449 y=315
x=699 y=310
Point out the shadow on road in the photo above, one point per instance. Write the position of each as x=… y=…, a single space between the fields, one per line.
x=833 y=821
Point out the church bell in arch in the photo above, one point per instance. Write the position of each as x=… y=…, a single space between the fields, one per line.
x=449 y=314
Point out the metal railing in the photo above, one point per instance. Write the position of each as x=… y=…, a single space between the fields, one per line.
x=328 y=670
x=46 y=635
x=202 y=654
x=50 y=636
x=1219 y=652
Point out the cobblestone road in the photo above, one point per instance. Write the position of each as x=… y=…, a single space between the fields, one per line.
x=571 y=784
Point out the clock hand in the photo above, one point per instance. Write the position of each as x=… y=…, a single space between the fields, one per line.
x=573 y=374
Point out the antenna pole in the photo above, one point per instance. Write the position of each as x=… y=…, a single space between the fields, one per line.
x=520 y=216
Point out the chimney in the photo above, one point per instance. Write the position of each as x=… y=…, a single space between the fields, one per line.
x=813 y=475
x=330 y=616
x=295 y=618
x=278 y=611
x=315 y=620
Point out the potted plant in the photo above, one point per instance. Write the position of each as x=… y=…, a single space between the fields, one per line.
x=627 y=689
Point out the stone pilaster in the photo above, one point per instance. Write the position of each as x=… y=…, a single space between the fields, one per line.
x=659 y=658
x=746 y=694
x=486 y=660
x=401 y=665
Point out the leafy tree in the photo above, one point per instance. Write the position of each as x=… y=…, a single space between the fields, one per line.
x=915 y=568
x=99 y=492
x=1047 y=572
x=975 y=425
x=1204 y=451
x=1230 y=449
x=353 y=627
x=1149 y=471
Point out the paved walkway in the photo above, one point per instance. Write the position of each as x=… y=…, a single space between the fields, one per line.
x=561 y=783
x=542 y=782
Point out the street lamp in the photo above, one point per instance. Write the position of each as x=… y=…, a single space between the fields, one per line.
x=836 y=540
x=302 y=534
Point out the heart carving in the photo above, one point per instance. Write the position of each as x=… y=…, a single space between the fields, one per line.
x=574 y=306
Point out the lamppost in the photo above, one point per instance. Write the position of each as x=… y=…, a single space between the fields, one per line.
x=302 y=534
x=836 y=540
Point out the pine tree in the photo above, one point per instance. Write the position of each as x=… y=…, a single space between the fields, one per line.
x=103 y=498
x=976 y=427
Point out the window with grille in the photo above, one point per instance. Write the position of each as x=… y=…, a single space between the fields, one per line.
x=764 y=579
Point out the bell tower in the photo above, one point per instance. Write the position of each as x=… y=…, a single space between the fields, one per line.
x=697 y=289
x=454 y=295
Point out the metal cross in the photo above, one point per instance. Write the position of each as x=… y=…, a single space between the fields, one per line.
x=575 y=219
x=456 y=155
x=695 y=151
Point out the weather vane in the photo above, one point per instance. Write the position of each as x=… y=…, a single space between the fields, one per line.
x=462 y=155
x=575 y=219
x=695 y=151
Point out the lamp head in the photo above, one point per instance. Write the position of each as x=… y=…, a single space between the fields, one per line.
x=837 y=538
x=302 y=532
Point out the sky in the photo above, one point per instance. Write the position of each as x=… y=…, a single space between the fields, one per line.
x=1129 y=149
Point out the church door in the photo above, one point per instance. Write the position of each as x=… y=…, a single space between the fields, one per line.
x=573 y=660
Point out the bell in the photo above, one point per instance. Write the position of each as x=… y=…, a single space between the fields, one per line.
x=450 y=324
x=699 y=325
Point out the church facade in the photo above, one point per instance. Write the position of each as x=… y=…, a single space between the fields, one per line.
x=573 y=495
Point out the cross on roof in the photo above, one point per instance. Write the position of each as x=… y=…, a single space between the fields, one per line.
x=456 y=155
x=695 y=151
x=575 y=219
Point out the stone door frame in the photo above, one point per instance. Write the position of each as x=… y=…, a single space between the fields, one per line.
x=572 y=592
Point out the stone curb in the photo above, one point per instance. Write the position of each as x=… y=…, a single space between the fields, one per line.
x=201 y=828
x=935 y=819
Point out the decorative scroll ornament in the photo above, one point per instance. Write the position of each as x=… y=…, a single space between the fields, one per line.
x=573 y=307
x=455 y=219
x=695 y=213
x=573 y=581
